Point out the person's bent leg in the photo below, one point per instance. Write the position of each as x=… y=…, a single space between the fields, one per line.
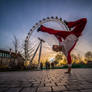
x=58 y=33
x=48 y=30
x=75 y=23
x=69 y=59
x=79 y=28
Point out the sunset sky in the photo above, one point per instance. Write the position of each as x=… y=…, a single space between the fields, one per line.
x=18 y=16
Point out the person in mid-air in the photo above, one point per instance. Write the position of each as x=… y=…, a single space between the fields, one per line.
x=70 y=37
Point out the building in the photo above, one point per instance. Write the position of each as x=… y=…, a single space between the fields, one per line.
x=11 y=60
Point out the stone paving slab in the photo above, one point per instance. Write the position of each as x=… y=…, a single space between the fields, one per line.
x=88 y=90
x=44 y=89
x=13 y=89
x=58 y=88
x=80 y=80
x=28 y=90
x=3 y=89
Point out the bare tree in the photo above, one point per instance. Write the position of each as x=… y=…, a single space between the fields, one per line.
x=15 y=44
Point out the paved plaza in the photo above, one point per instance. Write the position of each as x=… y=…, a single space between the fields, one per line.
x=80 y=80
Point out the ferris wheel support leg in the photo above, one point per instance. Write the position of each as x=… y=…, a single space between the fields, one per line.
x=39 y=56
x=35 y=52
x=41 y=41
x=26 y=50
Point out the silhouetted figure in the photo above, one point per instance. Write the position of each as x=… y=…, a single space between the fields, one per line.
x=47 y=64
x=41 y=65
x=52 y=65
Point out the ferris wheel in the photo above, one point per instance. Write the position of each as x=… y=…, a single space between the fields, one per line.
x=35 y=40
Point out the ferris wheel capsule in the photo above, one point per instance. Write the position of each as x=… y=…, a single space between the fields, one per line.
x=56 y=17
x=48 y=17
x=33 y=26
x=52 y=17
x=27 y=38
x=30 y=29
x=29 y=33
x=36 y=24
x=60 y=19
x=25 y=41
x=40 y=21
x=44 y=19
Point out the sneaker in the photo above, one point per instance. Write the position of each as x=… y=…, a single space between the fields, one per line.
x=67 y=24
x=39 y=29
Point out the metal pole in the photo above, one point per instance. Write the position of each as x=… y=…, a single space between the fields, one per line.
x=10 y=58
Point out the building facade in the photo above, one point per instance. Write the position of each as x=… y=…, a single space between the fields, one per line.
x=11 y=60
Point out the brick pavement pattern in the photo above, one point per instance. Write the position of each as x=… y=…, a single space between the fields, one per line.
x=80 y=80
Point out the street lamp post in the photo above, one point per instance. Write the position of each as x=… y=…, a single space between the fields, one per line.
x=10 y=58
